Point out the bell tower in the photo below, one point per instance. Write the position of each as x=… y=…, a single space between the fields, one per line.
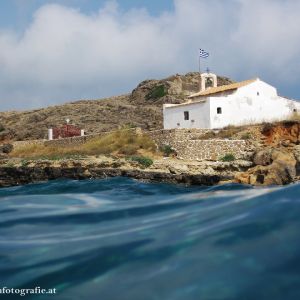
x=208 y=80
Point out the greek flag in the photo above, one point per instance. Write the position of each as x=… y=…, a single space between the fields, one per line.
x=203 y=54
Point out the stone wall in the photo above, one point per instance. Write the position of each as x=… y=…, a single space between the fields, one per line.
x=188 y=144
x=79 y=140
x=173 y=136
x=65 y=142
x=211 y=149
x=72 y=141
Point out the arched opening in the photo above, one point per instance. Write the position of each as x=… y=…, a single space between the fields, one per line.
x=209 y=83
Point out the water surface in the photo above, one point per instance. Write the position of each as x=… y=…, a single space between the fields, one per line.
x=123 y=239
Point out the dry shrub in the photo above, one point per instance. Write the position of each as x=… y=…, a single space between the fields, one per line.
x=42 y=151
x=123 y=141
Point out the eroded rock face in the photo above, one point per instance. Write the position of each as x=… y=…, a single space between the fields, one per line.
x=282 y=133
x=273 y=167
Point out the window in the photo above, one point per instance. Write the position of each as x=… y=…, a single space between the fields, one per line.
x=219 y=110
x=186 y=115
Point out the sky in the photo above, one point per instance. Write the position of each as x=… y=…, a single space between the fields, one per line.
x=53 y=52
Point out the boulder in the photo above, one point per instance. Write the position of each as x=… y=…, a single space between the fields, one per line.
x=263 y=157
x=178 y=169
x=276 y=166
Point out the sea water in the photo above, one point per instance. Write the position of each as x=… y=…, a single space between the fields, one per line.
x=123 y=239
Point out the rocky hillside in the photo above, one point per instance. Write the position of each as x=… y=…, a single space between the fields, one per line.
x=143 y=107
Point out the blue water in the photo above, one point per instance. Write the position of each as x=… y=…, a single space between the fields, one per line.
x=123 y=239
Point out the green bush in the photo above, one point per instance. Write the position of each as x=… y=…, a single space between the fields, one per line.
x=167 y=150
x=157 y=92
x=142 y=160
x=228 y=157
x=246 y=136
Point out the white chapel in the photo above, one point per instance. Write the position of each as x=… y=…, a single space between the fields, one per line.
x=247 y=102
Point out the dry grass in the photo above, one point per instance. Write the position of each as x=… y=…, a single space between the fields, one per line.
x=41 y=151
x=124 y=142
x=121 y=142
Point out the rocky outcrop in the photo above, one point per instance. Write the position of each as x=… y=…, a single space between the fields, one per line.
x=25 y=175
x=173 y=89
x=273 y=167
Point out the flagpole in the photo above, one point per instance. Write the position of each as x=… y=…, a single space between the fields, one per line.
x=202 y=54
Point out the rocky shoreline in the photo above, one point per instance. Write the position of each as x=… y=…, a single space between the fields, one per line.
x=16 y=172
x=269 y=167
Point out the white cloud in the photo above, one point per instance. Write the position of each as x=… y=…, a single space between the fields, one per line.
x=65 y=54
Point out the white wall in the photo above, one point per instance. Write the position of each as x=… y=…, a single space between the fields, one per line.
x=251 y=90
x=245 y=106
x=199 y=112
